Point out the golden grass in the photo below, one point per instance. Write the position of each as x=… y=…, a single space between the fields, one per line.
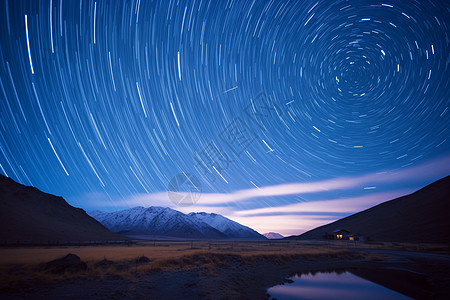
x=163 y=250
x=159 y=250
x=17 y=264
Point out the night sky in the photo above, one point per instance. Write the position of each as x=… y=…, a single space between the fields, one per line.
x=285 y=114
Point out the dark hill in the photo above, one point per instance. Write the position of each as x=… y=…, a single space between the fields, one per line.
x=28 y=215
x=423 y=216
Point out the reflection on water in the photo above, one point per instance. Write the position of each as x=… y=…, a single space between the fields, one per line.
x=334 y=285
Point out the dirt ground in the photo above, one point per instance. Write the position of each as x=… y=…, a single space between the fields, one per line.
x=218 y=270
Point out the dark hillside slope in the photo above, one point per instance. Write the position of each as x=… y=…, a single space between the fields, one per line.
x=423 y=216
x=28 y=215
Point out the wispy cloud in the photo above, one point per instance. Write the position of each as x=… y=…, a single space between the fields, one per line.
x=284 y=224
x=298 y=217
x=344 y=205
x=431 y=170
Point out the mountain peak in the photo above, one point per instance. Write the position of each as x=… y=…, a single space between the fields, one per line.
x=273 y=235
x=164 y=221
x=227 y=226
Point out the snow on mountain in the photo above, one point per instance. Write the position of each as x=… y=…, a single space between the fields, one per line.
x=157 y=221
x=231 y=228
x=163 y=221
x=273 y=235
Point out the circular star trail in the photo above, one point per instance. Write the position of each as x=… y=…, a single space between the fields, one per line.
x=116 y=97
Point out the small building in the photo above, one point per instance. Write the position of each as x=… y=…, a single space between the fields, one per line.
x=341 y=234
x=355 y=237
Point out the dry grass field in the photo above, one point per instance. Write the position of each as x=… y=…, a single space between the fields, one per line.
x=160 y=253
x=164 y=250
x=202 y=267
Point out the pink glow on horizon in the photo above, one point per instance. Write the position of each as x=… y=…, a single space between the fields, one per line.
x=288 y=219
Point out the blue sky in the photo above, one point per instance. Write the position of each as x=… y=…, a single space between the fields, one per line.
x=102 y=102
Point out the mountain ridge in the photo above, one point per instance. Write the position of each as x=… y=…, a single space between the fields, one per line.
x=28 y=215
x=418 y=217
x=225 y=225
x=273 y=235
x=164 y=221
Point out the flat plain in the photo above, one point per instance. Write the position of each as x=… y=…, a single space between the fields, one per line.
x=216 y=269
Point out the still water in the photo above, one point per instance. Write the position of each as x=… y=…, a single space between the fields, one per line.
x=343 y=285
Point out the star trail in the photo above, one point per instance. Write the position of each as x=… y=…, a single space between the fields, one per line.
x=102 y=101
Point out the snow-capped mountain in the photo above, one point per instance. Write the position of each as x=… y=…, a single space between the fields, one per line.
x=273 y=235
x=231 y=228
x=155 y=221
x=167 y=222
